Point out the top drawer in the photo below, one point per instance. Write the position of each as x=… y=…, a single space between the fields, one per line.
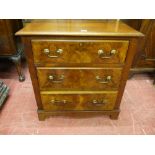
x=76 y=52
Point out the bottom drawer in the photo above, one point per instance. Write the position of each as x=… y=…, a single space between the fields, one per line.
x=79 y=101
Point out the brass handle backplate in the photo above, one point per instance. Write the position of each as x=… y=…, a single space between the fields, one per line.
x=55 y=79
x=59 y=102
x=101 y=102
x=104 y=80
x=57 y=53
x=103 y=55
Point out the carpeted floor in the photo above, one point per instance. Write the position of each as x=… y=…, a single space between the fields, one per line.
x=19 y=116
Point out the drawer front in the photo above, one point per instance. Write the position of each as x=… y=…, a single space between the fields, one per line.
x=79 y=78
x=76 y=52
x=101 y=101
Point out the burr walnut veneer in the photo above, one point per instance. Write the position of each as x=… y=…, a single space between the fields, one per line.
x=79 y=66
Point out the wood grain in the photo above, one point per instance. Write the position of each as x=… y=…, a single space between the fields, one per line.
x=105 y=101
x=79 y=78
x=144 y=60
x=8 y=42
x=79 y=51
x=32 y=70
x=71 y=27
x=78 y=67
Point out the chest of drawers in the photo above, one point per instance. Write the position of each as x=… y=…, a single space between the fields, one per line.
x=79 y=66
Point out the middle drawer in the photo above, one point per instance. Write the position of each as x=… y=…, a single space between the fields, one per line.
x=78 y=78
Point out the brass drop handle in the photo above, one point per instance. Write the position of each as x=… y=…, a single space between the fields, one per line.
x=103 y=55
x=105 y=80
x=59 y=102
x=55 y=79
x=48 y=53
x=99 y=102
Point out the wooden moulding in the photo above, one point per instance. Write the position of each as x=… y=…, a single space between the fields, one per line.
x=42 y=115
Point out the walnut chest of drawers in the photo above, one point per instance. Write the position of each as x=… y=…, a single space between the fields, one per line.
x=79 y=66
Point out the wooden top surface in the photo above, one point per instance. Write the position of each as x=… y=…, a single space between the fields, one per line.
x=79 y=27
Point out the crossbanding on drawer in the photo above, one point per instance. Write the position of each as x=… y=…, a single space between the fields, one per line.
x=50 y=52
x=78 y=100
x=79 y=78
